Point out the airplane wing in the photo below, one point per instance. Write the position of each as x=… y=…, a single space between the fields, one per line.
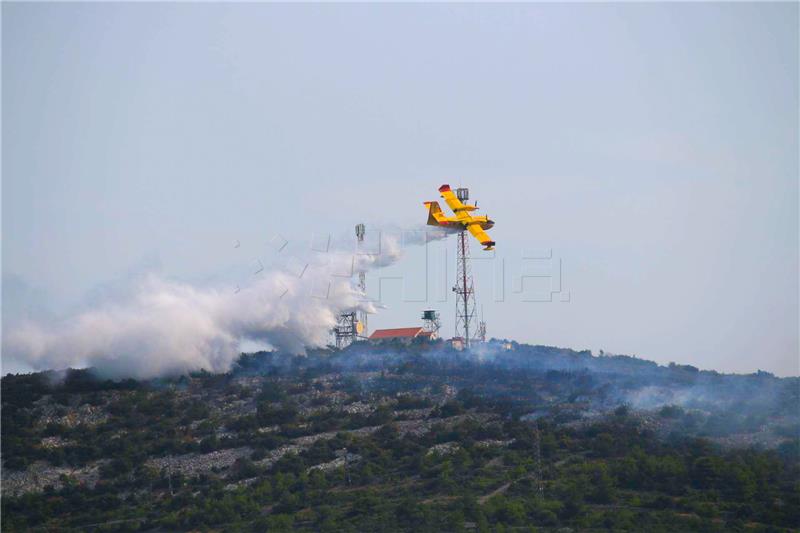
x=482 y=236
x=463 y=217
x=453 y=202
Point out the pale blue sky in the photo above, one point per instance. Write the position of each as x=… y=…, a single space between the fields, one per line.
x=653 y=147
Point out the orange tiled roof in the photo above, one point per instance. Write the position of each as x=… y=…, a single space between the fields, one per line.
x=395 y=333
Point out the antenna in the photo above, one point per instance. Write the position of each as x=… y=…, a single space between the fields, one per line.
x=537 y=457
x=362 y=279
x=464 y=289
x=481 y=336
x=352 y=325
x=345 y=329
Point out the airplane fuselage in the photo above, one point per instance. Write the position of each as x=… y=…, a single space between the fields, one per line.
x=483 y=222
x=463 y=218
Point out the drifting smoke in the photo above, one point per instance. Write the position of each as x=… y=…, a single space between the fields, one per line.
x=163 y=327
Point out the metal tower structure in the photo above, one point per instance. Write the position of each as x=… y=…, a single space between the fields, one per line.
x=431 y=322
x=345 y=330
x=353 y=324
x=537 y=456
x=481 y=335
x=362 y=279
x=465 y=290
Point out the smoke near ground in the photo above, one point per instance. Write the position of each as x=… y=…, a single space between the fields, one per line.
x=162 y=327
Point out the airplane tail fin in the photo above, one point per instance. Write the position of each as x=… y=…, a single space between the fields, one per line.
x=435 y=215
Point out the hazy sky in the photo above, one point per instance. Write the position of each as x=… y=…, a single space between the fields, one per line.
x=652 y=147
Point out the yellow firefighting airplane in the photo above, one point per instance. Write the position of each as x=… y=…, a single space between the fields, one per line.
x=463 y=220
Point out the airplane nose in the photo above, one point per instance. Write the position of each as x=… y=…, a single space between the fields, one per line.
x=489 y=224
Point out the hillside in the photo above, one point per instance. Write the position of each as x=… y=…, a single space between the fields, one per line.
x=509 y=437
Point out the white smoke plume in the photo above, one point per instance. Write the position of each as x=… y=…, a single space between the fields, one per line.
x=161 y=327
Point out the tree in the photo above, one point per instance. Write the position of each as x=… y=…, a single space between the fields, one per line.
x=603 y=486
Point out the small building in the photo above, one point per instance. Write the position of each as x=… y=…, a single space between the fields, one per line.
x=405 y=335
x=457 y=343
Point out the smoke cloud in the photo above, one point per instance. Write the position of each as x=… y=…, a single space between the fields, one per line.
x=163 y=327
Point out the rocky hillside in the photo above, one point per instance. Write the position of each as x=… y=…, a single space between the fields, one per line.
x=406 y=438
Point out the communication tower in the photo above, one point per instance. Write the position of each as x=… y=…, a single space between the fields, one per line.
x=537 y=457
x=352 y=325
x=362 y=279
x=481 y=336
x=465 y=290
x=345 y=330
